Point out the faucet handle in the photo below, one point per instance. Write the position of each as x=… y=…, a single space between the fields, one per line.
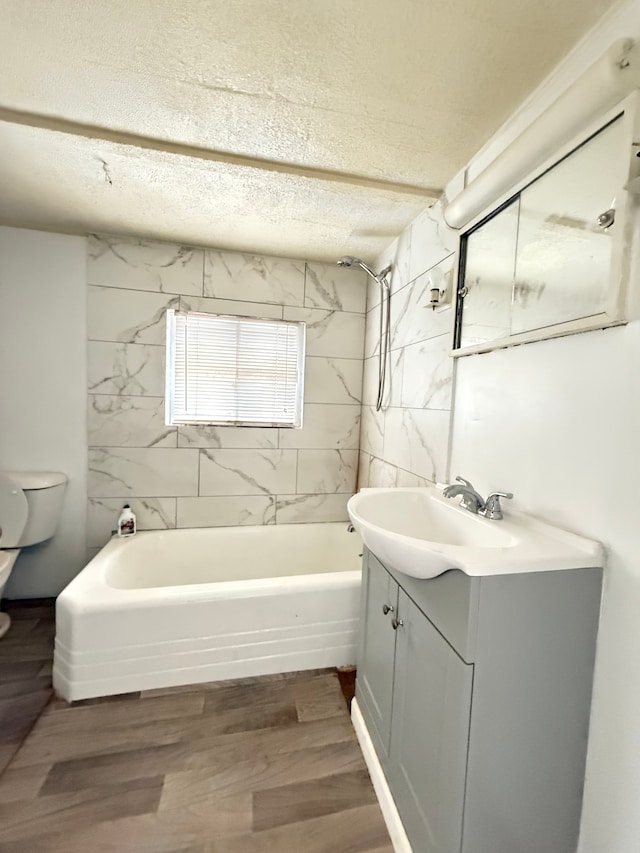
x=492 y=508
x=465 y=483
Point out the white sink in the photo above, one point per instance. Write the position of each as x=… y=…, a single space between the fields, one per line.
x=421 y=533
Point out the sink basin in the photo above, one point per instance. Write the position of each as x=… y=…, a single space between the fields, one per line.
x=422 y=534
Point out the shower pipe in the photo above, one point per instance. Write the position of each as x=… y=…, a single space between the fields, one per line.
x=384 y=317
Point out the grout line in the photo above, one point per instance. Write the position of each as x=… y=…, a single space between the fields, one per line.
x=261 y=450
x=123 y=343
x=226 y=496
x=135 y=396
x=304 y=284
x=108 y=447
x=170 y=294
x=283 y=305
x=337 y=357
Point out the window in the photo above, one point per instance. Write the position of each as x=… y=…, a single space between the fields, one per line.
x=234 y=370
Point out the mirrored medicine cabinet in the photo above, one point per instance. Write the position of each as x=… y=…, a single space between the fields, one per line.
x=552 y=259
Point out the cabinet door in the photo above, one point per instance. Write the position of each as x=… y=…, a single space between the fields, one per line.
x=429 y=738
x=374 y=685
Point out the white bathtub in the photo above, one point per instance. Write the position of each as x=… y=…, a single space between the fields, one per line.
x=184 y=606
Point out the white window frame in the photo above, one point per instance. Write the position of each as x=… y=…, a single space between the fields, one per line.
x=173 y=418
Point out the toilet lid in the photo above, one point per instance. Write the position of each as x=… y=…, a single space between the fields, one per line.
x=13 y=512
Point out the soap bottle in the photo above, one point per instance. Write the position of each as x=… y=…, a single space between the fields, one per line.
x=126 y=522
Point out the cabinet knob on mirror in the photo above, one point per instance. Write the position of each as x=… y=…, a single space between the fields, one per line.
x=396 y=623
x=387 y=608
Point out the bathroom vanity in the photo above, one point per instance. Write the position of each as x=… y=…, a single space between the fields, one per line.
x=475 y=692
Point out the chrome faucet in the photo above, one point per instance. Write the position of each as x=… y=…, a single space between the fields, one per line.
x=473 y=501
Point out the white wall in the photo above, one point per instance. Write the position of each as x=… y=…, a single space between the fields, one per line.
x=557 y=422
x=43 y=390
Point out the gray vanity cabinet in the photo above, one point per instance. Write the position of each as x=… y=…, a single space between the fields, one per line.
x=429 y=738
x=377 y=652
x=478 y=704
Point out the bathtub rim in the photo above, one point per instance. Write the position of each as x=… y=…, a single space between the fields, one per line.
x=90 y=590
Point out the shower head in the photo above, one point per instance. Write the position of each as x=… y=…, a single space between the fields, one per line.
x=350 y=261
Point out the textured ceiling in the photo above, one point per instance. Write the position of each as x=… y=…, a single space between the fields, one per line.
x=307 y=128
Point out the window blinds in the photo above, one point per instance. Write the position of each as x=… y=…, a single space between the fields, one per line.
x=234 y=370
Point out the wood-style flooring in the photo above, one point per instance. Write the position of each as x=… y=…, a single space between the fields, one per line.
x=264 y=765
x=25 y=672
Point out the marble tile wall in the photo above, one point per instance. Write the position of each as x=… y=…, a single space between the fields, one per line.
x=211 y=476
x=407 y=442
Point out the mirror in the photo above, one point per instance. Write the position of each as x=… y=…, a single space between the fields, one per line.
x=542 y=259
x=489 y=274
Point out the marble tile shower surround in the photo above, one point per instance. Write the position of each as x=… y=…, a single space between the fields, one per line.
x=196 y=476
x=407 y=442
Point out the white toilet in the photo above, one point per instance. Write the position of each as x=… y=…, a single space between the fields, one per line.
x=30 y=509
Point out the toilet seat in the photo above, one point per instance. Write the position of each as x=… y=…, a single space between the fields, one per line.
x=15 y=510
